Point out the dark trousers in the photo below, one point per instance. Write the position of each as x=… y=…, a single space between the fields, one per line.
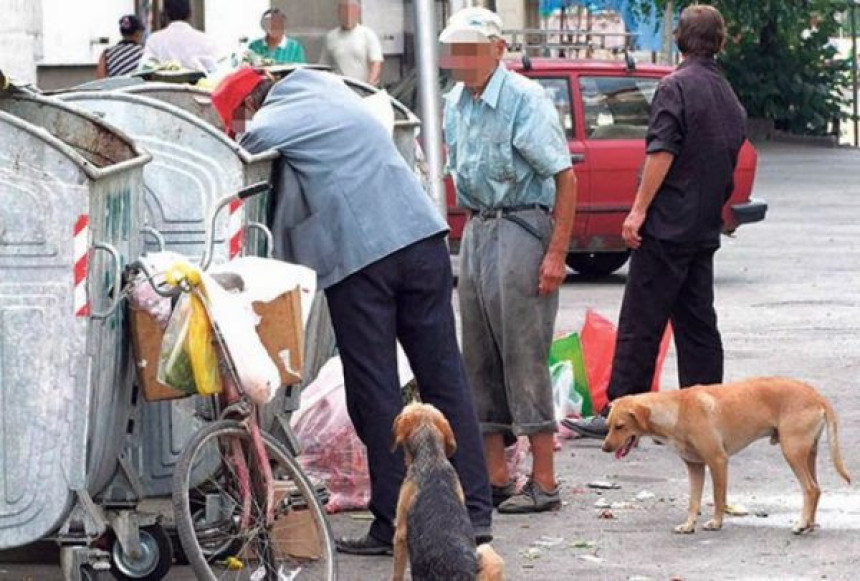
x=407 y=297
x=667 y=282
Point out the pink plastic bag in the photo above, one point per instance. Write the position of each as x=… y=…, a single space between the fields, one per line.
x=331 y=450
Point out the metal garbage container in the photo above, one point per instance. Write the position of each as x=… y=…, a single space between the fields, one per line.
x=194 y=164
x=189 y=98
x=70 y=215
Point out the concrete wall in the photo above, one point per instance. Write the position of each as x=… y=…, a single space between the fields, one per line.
x=20 y=38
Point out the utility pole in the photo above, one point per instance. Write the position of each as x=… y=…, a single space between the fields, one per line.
x=426 y=62
x=854 y=118
x=668 y=32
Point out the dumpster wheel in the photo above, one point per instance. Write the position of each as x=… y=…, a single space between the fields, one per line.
x=153 y=563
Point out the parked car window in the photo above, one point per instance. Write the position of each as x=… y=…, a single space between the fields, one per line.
x=558 y=90
x=617 y=107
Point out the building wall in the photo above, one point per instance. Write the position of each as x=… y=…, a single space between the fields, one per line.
x=20 y=38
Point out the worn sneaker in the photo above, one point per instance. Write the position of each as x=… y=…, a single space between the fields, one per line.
x=532 y=498
x=594 y=427
x=502 y=493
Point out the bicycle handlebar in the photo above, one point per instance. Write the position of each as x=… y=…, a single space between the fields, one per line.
x=242 y=194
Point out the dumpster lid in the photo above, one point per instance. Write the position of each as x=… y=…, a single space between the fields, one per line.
x=141 y=101
x=99 y=148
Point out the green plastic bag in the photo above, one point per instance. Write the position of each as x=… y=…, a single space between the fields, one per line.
x=570 y=382
x=174 y=365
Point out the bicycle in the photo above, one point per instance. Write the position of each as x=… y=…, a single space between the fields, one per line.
x=240 y=498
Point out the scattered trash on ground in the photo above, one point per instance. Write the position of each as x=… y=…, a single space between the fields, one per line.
x=547 y=542
x=606 y=514
x=621 y=505
x=645 y=495
x=604 y=485
x=602 y=503
x=761 y=513
x=590 y=558
x=737 y=510
x=532 y=553
x=361 y=516
x=583 y=544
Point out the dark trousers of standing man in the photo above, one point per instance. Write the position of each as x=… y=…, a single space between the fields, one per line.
x=406 y=296
x=667 y=281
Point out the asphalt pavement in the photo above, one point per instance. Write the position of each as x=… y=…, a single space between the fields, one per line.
x=788 y=300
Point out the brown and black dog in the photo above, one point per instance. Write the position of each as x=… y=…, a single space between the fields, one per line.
x=707 y=424
x=432 y=525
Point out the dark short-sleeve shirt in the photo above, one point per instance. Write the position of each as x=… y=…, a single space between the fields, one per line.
x=697 y=117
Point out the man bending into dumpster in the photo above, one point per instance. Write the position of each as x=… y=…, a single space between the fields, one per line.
x=364 y=223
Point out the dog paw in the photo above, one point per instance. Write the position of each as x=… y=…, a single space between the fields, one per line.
x=713 y=525
x=802 y=529
x=685 y=529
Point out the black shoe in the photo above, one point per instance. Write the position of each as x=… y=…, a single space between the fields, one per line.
x=483 y=535
x=502 y=493
x=594 y=427
x=365 y=546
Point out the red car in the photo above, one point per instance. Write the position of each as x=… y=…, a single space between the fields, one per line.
x=604 y=109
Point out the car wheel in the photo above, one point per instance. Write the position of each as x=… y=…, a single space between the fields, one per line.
x=597 y=263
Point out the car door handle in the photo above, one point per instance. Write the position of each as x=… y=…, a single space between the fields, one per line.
x=577 y=158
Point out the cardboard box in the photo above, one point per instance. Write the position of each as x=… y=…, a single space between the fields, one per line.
x=146 y=337
x=282 y=334
x=280 y=331
x=295 y=533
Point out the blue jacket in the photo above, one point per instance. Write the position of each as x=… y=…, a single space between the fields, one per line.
x=345 y=196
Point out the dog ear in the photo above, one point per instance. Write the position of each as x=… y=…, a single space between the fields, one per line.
x=402 y=427
x=447 y=435
x=641 y=415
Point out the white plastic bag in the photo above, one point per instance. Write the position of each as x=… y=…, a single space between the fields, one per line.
x=236 y=322
x=265 y=279
x=566 y=400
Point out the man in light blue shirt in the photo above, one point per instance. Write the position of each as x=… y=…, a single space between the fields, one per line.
x=511 y=167
x=349 y=207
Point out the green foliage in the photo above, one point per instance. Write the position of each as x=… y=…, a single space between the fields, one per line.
x=782 y=67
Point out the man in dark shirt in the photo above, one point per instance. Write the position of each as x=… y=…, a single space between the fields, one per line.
x=696 y=131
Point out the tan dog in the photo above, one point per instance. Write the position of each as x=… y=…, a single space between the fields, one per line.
x=707 y=424
x=432 y=525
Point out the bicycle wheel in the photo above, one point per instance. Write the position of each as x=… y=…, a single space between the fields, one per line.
x=223 y=530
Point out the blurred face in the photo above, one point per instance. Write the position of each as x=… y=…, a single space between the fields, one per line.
x=472 y=63
x=275 y=27
x=243 y=115
x=348 y=14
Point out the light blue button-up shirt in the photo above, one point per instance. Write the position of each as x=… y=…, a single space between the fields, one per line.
x=505 y=147
x=345 y=196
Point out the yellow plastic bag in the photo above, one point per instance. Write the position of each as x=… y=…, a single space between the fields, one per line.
x=201 y=351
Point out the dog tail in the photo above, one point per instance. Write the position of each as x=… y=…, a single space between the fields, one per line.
x=833 y=439
x=491 y=567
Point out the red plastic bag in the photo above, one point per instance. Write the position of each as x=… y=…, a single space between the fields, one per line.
x=331 y=450
x=598 y=348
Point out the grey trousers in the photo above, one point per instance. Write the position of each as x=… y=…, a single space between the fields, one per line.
x=507 y=326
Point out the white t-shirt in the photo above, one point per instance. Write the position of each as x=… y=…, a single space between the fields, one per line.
x=350 y=52
x=182 y=43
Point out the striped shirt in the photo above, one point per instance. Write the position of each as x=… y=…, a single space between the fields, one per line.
x=122 y=58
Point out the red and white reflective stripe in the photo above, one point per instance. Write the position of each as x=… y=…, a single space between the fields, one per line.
x=82 y=259
x=235 y=230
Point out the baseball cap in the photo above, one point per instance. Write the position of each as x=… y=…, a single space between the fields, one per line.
x=232 y=90
x=472 y=25
x=129 y=24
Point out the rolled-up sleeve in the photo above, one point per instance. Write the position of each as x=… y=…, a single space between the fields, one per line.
x=666 y=129
x=538 y=136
